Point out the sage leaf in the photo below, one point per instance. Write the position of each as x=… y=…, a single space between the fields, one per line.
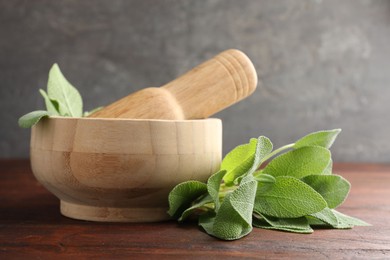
x=333 y=188
x=263 y=146
x=227 y=224
x=321 y=138
x=325 y=216
x=328 y=169
x=288 y=197
x=234 y=217
x=183 y=194
x=52 y=105
x=197 y=206
x=68 y=98
x=206 y=221
x=30 y=119
x=213 y=186
x=345 y=221
x=296 y=225
x=315 y=222
x=238 y=161
x=300 y=162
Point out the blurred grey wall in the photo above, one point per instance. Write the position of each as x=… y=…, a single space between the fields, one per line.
x=321 y=64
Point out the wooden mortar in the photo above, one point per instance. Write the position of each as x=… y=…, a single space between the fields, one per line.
x=121 y=169
x=201 y=92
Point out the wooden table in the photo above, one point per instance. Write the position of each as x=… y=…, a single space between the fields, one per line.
x=31 y=226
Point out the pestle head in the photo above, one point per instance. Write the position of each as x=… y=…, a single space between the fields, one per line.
x=199 y=93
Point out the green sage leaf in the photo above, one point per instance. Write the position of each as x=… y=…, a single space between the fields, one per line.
x=234 y=217
x=68 y=98
x=206 y=221
x=300 y=162
x=183 y=194
x=213 y=186
x=321 y=138
x=329 y=168
x=238 y=161
x=263 y=146
x=333 y=188
x=288 y=197
x=345 y=221
x=30 y=119
x=52 y=105
x=325 y=216
x=296 y=225
x=198 y=207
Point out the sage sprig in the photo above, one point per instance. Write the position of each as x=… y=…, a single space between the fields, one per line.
x=61 y=99
x=295 y=191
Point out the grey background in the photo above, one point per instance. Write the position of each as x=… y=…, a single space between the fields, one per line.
x=321 y=64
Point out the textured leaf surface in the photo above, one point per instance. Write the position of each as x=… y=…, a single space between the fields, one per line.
x=238 y=161
x=300 y=162
x=181 y=197
x=213 y=186
x=288 y=197
x=326 y=216
x=333 y=188
x=234 y=217
x=345 y=221
x=263 y=146
x=68 y=98
x=321 y=138
x=296 y=225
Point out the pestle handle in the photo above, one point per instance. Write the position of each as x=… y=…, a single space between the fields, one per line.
x=214 y=85
x=199 y=93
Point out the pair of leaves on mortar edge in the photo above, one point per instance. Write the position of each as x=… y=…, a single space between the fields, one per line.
x=245 y=159
x=233 y=219
x=61 y=99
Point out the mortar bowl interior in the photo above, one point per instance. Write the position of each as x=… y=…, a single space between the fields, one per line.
x=121 y=170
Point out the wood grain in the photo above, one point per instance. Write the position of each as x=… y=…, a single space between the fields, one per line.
x=32 y=226
x=122 y=170
x=201 y=92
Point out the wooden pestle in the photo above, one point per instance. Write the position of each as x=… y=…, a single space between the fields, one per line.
x=199 y=93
